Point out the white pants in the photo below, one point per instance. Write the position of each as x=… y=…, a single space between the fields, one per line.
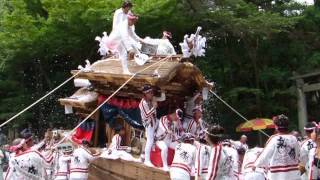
x=123 y=56
x=203 y=176
x=119 y=154
x=179 y=174
x=164 y=145
x=254 y=176
x=78 y=176
x=292 y=175
x=149 y=143
x=61 y=178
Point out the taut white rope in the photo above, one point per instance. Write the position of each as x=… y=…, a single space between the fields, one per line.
x=36 y=102
x=114 y=93
x=234 y=110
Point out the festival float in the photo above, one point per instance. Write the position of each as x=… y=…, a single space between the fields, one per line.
x=175 y=75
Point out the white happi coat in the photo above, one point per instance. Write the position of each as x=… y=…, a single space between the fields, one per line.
x=314 y=165
x=220 y=165
x=63 y=167
x=202 y=160
x=28 y=165
x=183 y=161
x=165 y=47
x=166 y=137
x=118 y=17
x=148 y=113
x=305 y=149
x=234 y=157
x=239 y=145
x=50 y=170
x=190 y=105
x=195 y=128
x=80 y=163
x=247 y=164
x=123 y=38
x=281 y=156
x=165 y=126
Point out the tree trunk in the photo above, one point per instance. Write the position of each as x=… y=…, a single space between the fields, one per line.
x=253 y=48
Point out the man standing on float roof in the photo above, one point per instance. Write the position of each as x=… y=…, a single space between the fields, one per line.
x=120 y=15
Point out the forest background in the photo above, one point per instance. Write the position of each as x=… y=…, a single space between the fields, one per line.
x=254 y=47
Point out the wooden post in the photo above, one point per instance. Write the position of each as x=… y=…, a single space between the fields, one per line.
x=302 y=106
x=96 y=117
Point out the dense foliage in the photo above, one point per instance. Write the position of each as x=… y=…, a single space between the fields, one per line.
x=254 y=47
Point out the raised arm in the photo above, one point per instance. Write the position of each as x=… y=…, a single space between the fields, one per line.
x=161 y=98
x=133 y=35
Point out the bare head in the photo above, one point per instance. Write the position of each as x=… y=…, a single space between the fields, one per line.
x=243 y=139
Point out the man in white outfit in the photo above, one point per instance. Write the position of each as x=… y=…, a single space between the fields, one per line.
x=195 y=126
x=164 y=45
x=192 y=102
x=80 y=162
x=124 y=41
x=202 y=159
x=120 y=15
x=248 y=162
x=26 y=164
x=148 y=109
x=233 y=157
x=167 y=134
x=242 y=143
x=306 y=146
x=62 y=171
x=281 y=153
x=220 y=164
x=116 y=149
x=183 y=160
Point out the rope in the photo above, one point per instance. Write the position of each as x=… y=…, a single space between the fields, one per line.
x=156 y=70
x=114 y=93
x=234 y=110
x=36 y=102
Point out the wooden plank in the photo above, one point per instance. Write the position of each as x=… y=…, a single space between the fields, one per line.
x=78 y=104
x=96 y=132
x=316 y=73
x=311 y=87
x=126 y=170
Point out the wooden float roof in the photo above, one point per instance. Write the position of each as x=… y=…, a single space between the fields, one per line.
x=181 y=78
x=177 y=79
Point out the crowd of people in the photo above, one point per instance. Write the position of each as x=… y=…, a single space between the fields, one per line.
x=201 y=150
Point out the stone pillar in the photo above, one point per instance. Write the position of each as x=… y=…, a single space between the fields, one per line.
x=302 y=106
